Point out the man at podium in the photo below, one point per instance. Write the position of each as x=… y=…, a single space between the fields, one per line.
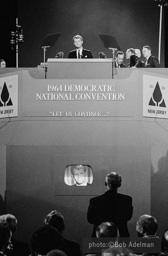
x=79 y=52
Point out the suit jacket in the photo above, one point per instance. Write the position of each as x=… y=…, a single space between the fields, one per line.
x=86 y=54
x=110 y=206
x=152 y=62
x=19 y=248
x=121 y=65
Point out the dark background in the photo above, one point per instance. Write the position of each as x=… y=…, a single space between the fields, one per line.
x=133 y=23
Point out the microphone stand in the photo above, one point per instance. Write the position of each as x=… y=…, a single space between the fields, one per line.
x=113 y=54
x=44 y=59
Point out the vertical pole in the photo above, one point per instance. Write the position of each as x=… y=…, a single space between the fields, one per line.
x=160 y=33
x=17 y=48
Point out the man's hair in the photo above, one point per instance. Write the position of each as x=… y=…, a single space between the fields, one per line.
x=107 y=229
x=56 y=253
x=5 y=235
x=78 y=167
x=113 y=180
x=78 y=37
x=45 y=239
x=147 y=47
x=148 y=223
x=55 y=219
x=119 y=53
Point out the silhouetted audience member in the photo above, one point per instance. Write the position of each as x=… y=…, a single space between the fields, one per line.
x=146 y=226
x=56 y=220
x=164 y=243
x=111 y=206
x=56 y=253
x=151 y=61
x=5 y=237
x=107 y=229
x=19 y=248
x=44 y=240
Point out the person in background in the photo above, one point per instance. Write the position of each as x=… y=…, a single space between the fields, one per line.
x=56 y=253
x=131 y=56
x=111 y=206
x=44 y=240
x=59 y=55
x=139 y=62
x=151 y=61
x=146 y=226
x=119 y=60
x=56 y=220
x=107 y=229
x=79 y=52
x=18 y=247
x=2 y=63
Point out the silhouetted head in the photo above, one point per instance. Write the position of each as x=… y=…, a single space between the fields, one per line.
x=56 y=220
x=165 y=241
x=146 y=225
x=113 y=181
x=107 y=229
x=56 y=253
x=10 y=221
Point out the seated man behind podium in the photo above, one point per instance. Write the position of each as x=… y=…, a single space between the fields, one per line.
x=79 y=52
x=119 y=60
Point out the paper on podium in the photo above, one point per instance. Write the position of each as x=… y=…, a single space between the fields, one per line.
x=109 y=42
x=50 y=40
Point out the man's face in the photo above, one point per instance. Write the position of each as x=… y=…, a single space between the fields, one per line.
x=146 y=52
x=120 y=58
x=79 y=175
x=3 y=64
x=78 y=42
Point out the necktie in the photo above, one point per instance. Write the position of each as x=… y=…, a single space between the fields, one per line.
x=78 y=54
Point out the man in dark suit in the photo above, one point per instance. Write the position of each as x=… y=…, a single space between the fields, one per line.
x=79 y=52
x=18 y=247
x=119 y=60
x=151 y=61
x=111 y=206
x=56 y=220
